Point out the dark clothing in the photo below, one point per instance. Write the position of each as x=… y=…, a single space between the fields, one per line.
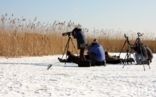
x=143 y=54
x=96 y=63
x=149 y=53
x=82 y=63
x=82 y=53
x=80 y=38
x=78 y=34
x=145 y=57
x=112 y=59
x=140 y=48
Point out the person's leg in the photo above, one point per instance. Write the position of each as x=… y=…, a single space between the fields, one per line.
x=149 y=53
x=138 y=58
x=70 y=58
x=144 y=53
x=76 y=60
x=64 y=60
x=103 y=63
x=82 y=57
x=84 y=63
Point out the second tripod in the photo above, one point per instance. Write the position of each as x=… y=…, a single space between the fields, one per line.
x=127 y=59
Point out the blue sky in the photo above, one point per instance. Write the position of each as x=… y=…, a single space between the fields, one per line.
x=126 y=15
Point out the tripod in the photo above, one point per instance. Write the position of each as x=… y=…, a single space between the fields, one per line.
x=142 y=52
x=65 y=49
x=128 y=51
x=67 y=45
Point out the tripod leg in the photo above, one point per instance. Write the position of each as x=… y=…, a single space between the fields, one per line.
x=126 y=56
x=66 y=47
x=144 y=67
x=125 y=61
x=149 y=65
x=122 y=48
x=73 y=45
x=141 y=62
x=143 y=58
x=123 y=65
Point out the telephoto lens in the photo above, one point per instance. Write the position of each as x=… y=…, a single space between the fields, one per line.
x=66 y=34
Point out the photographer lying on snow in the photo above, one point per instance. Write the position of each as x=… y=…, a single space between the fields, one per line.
x=94 y=57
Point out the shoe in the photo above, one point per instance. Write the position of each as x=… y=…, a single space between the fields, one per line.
x=61 y=60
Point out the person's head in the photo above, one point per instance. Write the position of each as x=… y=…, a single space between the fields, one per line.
x=75 y=30
x=94 y=42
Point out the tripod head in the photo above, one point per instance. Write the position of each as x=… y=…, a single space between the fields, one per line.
x=140 y=34
x=138 y=40
x=125 y=36
x=127 y=39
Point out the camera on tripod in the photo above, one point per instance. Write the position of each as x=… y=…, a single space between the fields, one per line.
x=125 y=36
x=67 y=34
x=139 y=34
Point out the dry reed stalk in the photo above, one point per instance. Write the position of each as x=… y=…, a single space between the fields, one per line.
x=34 y=44
x=23 y=38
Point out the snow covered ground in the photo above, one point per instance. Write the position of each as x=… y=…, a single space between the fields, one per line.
x=29 y=77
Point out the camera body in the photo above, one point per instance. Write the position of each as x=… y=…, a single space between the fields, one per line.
x=125 y=36
x=140 y=34
x=67 y=34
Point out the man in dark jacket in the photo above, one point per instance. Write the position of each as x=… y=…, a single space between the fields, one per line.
x=80 y=37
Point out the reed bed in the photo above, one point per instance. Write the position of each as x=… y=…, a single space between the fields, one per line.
x=21 y=37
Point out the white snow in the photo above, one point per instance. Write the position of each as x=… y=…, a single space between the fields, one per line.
x=29 y=77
